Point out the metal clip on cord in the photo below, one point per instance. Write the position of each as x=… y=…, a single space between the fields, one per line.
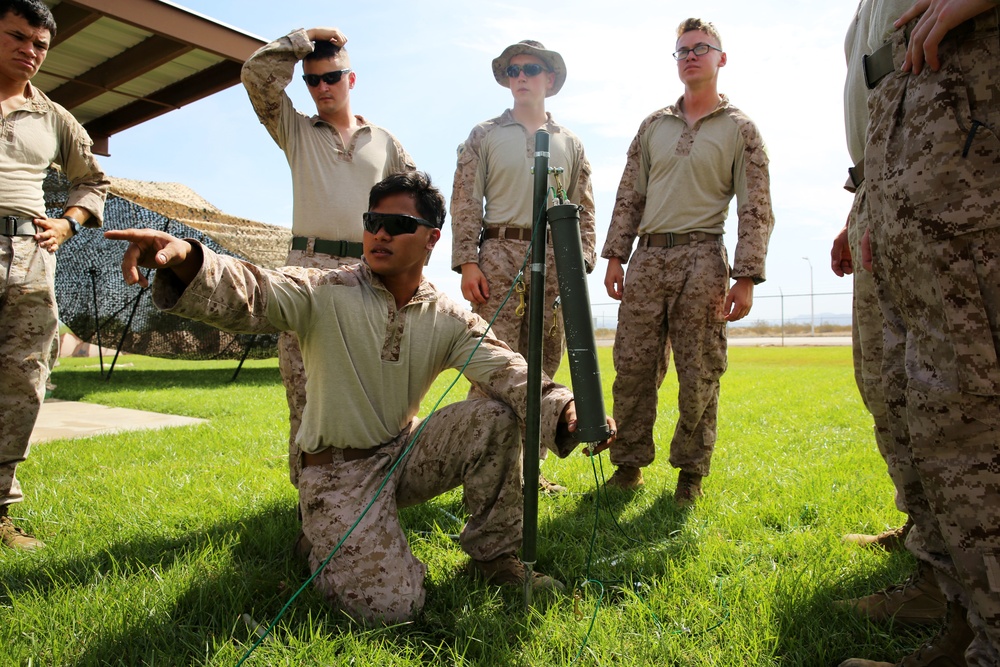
x=554 y=330
x=560 y=190
x=521 y=305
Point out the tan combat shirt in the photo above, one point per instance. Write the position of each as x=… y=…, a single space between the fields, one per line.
x=681 y=179
x=872 y=27
x=34 y=137
x=368 y=364
x=495 y=163
x=330 y=181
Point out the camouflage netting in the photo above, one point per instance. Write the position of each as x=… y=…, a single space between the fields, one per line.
x=89 y=281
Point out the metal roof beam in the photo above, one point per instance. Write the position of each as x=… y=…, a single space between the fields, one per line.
x=195 y=87
x=70 y=20
x=129 y=64
x=177 y=23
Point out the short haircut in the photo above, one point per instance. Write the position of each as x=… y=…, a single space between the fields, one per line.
x=36 y=13
x=325 y=50
x=687 y=25
x=429 y=200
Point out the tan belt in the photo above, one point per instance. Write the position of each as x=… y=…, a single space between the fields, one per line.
x=331 y=454
x=669 y=240
x=510 y=233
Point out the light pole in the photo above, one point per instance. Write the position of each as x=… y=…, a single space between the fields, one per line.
x=812 y=311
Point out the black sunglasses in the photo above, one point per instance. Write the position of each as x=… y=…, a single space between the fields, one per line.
x=329 y=78
x=393 y=223
x=530 y=69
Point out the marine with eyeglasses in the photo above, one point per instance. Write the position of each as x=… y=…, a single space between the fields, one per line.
x=684 y=167
x=335 y=158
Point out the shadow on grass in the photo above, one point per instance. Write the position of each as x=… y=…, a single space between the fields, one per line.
x=245 y=565
x=73 y=384
x=812 y=631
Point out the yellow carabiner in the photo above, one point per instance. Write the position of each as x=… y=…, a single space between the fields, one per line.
x=521 y=306
x=554 y=330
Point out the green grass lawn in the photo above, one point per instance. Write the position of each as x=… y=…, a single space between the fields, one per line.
x=160 y=541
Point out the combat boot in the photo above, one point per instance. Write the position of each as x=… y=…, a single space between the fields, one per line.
x=549 y=487
x=946 y=649
x=626 y=477
x=890 y=540
x=918 y=601
x=15 y=538
x=508 y=570
x=688 y=488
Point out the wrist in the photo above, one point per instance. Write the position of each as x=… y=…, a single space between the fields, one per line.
x=74 y=224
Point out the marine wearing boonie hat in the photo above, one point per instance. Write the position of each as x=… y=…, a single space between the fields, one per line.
x=530 y=47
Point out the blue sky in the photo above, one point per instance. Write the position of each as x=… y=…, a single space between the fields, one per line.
x=424 y=73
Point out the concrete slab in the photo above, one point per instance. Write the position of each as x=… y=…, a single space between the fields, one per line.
x=70 y=419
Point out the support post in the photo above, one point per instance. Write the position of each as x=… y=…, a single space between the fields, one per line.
x=536 y=311
x=97 y=317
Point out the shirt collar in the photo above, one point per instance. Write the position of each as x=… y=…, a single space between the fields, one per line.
x=35 y=100
x=362 y=123
x=507 y=118
x=426 y=292
x=675 y=109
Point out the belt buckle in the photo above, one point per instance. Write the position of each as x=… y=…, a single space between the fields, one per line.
x=670 y=239
x=9 y=225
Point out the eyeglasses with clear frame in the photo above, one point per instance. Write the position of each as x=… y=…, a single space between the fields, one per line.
x=698 y=49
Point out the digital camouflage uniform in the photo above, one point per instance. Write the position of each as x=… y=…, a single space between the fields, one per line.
x=370 y=364
x=330 y=185
x=673 y=297
x=33 y=137
x=500 y=260
x=867 y=316
x=933 y=172
x=866 y=338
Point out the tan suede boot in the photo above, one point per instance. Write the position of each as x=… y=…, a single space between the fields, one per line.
x=918 y=601
x=688 y=489
x=508 y=570
x=626 y=477
x=890 y=540
x=946 y=649
x=14 y=537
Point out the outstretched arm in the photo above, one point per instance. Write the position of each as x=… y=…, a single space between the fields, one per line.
x=152 y=249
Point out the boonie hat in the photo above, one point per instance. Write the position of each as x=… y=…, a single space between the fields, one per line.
x=530 y=47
